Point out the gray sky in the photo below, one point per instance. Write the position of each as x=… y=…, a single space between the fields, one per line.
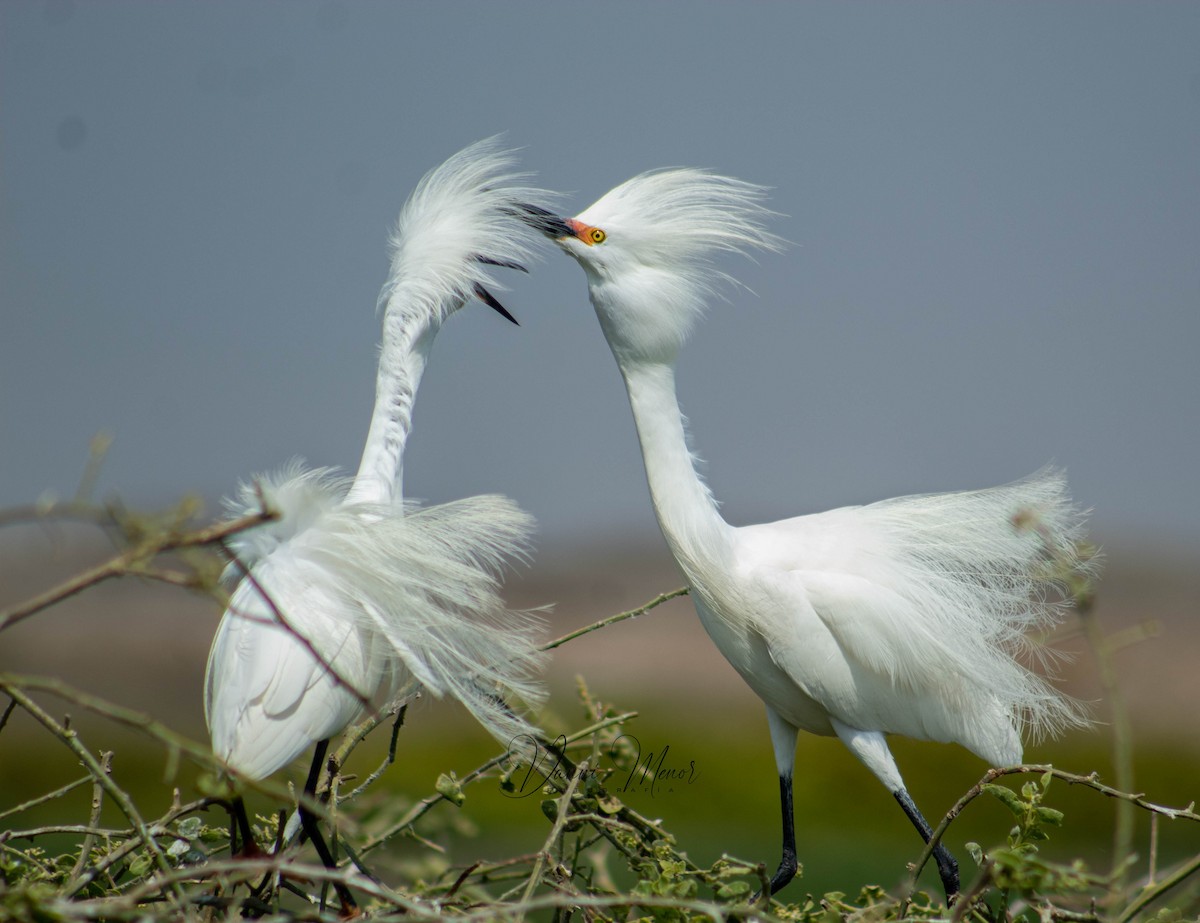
x=995 y=212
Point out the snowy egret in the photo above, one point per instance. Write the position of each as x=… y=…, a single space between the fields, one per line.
x=353 y=597
x=901 y=617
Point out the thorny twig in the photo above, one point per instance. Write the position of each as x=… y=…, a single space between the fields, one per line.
x=423 y=806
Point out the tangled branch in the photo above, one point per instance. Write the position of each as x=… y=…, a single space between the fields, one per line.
x=175 y=865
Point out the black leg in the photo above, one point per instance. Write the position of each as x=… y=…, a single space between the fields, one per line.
x=787 y=863
x=247 y=849
x=308 y=823
x=310 y=784
x=947 y=866
x=241 y=823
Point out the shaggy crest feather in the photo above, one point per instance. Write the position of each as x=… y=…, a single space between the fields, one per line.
x=665 y=228
x=352 y=596
x=465 y=209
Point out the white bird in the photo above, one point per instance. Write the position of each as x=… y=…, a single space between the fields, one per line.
x=353 y=597
x=900 y=617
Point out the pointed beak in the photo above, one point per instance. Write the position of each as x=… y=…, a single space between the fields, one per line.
x=490 y=300
x=487 y=297
x=507 y=264
x=548 y=223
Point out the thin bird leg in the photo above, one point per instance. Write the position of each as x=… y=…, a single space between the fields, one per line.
x=241 y=824
x=312 y=830
x=871 y=747
x=783 y=742
x=946 y=863
x=787 y=864
x=310 y=784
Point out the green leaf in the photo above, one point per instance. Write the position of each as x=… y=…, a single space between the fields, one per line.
x=451 y=789
x=141 y=865
x=1049 y=816
x=189 y=827
x=733 y=889
x=1007 y=797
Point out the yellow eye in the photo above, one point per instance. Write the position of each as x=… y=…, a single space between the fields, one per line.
x=596 y=236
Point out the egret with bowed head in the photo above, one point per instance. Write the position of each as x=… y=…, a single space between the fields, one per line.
x=353 y=596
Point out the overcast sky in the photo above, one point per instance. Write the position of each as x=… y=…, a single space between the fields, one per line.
x=994 y=212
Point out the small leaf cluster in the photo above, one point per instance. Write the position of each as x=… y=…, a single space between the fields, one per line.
x=1018 y=870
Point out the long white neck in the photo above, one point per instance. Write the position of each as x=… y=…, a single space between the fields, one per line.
x=687 y=515
x=405 y=350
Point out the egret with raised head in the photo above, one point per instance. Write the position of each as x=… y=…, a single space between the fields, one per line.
x=905 y=616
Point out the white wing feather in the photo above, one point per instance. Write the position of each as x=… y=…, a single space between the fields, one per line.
x=933 y=596
x=388 y=597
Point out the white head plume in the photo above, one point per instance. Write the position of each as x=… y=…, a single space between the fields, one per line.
x=653 y=272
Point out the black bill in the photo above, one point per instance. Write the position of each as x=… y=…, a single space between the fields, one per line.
x=490 y=300
x=547 y=222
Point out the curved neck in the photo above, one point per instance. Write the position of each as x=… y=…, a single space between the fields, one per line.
x=686 y=511
x=402 y=358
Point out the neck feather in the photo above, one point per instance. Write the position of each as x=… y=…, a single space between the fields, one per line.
x=402 y=358
x=686 y=511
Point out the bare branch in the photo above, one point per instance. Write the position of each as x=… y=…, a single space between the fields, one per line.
x=613 y=619
x=130 y=562
x=425 y=804
x=560 y=820
x=106 y=758
x=49 y=796
x=122 y=800
x=1152 y=893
